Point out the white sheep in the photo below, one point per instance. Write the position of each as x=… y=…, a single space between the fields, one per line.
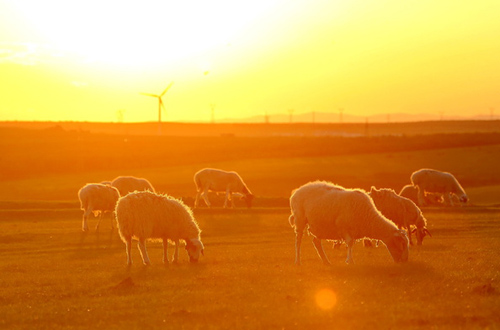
x=128 y=184
x=332 y=212
x=402 y=211
x=146 y=215
x=209 y=179
x=97 y=198
x=411 y=192
x=433 y=181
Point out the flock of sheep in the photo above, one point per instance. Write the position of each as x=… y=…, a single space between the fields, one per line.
x=328 y=211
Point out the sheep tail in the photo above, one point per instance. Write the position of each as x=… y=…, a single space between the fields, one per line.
x=291 y=220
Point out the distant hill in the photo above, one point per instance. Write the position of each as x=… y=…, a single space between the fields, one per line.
x=274 y=128
x=335 y=117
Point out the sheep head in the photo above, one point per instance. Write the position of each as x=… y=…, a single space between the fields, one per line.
x=248 y=199
x=398 y=246
x=464 y=199
x=194 y=248
x=421 y=233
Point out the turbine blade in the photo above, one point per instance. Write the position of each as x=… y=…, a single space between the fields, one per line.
x=163 y=106
x=148 y=94
x=166 y=89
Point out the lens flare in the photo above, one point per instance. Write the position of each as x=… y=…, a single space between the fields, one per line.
x=326 y=299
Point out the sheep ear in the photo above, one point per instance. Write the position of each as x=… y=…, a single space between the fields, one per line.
x=427 y=232
x=372 y=189
x=414 y=230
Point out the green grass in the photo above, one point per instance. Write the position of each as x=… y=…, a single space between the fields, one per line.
x=54 y=276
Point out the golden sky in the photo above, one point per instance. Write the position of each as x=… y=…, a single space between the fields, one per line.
x=89 y=60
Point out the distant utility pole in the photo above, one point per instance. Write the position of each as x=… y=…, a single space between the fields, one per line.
x=266 y=118
x=341 y=114
x=441 y=113
x=119 y=115
x=212 y=108
x=290 y=114
x=492 y=113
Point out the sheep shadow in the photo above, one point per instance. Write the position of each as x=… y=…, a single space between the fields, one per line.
x=410 y=269
x=100 y=241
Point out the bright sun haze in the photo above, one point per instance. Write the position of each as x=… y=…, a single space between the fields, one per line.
x=90 y=60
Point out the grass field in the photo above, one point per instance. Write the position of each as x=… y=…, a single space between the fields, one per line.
x=55 y=276
x=41 y=165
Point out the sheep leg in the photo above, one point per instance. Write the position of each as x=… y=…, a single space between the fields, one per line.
x=421 y=197
x=319 y=249
x=205 y=197
x=141 y=244
x=128 y=244
x=408 y=230
x=197 y=199
x=232 y=199
x=113 y=220
x=99 y=220
x=228 y=196
x=298 y=240
x=85 y=226
x=165 y=248
x=447 y=199
x=176 y=251
x=349 y=242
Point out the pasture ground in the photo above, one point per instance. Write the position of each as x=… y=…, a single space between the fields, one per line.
x=55 y=276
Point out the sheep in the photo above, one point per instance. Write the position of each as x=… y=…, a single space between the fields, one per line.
x=128 y=184
x=332 y=212
x=210 y=179
x=411 y=192
x=147 y=215
x=428 y=180
x=402 y=211
x=97 y=198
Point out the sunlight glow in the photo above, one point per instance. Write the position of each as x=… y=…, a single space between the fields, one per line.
x=326 y=299
x=136 y=33
x=412 y=60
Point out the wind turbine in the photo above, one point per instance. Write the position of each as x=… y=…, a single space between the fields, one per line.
x=160 y=104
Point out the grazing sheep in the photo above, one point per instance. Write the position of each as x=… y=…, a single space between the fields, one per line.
x=97 y=198
x=432 y=181
x=128 y=184
x=402 y=211
x=147 y=215
x=209 y=179
x=411 y=192
x=332 y=212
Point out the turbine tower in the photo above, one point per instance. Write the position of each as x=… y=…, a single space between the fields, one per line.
x=160 y=104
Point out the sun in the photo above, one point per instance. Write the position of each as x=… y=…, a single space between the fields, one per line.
x=140 y=33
